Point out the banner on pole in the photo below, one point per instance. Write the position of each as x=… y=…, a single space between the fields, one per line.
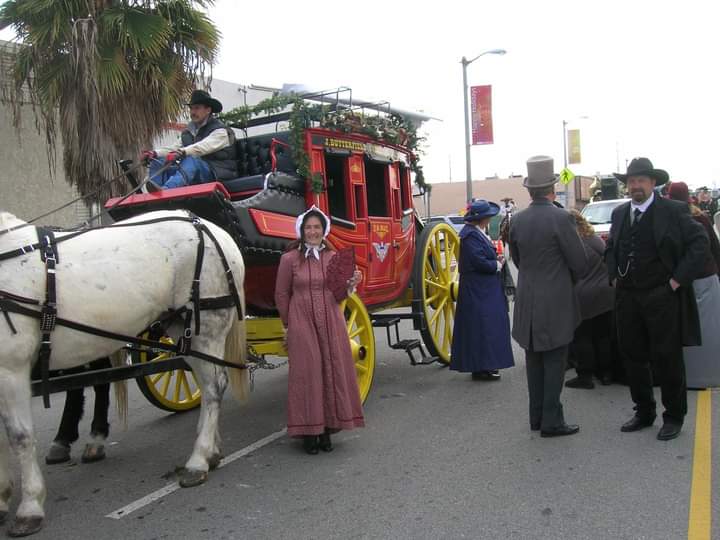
x=574 y=146
x=482 y=125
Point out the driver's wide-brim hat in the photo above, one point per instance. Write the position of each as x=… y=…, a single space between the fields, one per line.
x=201 y=97
x=643 y=167
x=540 y=172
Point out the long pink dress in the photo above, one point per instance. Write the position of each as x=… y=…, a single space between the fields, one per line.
x=322 y=384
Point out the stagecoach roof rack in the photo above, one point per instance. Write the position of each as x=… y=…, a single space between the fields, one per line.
x=335 y=96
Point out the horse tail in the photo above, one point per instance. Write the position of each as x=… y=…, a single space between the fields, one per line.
x=236 y=353
x=120 y=387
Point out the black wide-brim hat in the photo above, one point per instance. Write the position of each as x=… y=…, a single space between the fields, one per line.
x=643 y=167
x=201 y=97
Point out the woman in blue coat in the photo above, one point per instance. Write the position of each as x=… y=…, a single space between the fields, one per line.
x=481 y=334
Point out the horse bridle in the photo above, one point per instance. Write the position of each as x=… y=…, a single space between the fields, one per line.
x=47 y=245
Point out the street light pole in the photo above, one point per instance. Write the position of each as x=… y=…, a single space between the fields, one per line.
x=468 y=167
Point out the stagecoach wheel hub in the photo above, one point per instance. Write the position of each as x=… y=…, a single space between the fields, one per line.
x=454 y=289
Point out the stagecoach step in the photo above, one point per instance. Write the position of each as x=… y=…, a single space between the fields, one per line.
x=386 y=323
x=408 y=345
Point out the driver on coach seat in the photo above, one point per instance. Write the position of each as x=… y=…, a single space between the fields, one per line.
x=204 y=153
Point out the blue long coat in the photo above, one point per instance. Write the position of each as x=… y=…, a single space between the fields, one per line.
x=481 y=334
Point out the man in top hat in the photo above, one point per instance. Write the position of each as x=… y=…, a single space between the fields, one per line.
x=654 y=252
x=545 y=246
x=205 y=151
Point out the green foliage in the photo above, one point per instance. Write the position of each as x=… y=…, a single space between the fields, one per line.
x=393 y=129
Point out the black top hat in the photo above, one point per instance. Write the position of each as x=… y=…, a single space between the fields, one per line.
x=201 y=97
x=643 y=167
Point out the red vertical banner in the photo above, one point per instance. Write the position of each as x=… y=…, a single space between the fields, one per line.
x=482 y=125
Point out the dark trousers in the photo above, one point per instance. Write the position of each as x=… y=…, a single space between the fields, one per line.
x=592 y=346
x=546 y=376
x=74 y=407
x=649 y=336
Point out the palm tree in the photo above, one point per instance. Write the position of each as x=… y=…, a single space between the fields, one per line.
x=106 y=75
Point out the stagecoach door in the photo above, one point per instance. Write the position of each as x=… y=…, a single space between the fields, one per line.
x=380 y=182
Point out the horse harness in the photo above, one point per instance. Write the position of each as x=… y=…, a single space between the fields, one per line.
x=47 y=246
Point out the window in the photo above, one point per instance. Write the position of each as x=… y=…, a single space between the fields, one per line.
x=375 y=181
x=404 y=186
x=336 y=181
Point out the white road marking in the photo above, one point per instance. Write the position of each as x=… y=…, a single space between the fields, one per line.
x=171 y=488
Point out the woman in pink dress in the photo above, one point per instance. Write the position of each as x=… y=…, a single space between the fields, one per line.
x=323 y=395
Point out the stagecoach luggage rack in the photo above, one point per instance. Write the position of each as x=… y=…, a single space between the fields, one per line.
x=407 y=345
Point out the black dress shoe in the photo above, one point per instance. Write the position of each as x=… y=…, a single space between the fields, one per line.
x=493 y=375
x=670 y=430
x=606 y=379
x=310 y=444
x=581 y=382
x=534 y=427
x=560 y=431
x=325 y=443
x=636 y=423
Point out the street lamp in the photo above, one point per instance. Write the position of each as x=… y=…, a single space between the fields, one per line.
x=468 y=169
x=570 y=189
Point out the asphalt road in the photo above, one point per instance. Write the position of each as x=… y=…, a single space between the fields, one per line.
x=441 y=457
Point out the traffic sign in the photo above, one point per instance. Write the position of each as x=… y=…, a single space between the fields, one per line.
x=566 y=176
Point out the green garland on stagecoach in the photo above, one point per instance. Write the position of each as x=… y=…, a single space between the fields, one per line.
x=392 y=128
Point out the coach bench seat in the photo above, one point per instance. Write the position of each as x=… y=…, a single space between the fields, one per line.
x=246 y=184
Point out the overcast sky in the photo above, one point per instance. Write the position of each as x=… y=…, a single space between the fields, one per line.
x=644 y=73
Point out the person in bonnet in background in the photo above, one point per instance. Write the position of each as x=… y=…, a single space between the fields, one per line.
x=323 y=395
x=702 y=366
x=481 y=333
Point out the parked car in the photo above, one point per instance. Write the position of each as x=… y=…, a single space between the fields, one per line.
x=599 y=215
x=455 y=221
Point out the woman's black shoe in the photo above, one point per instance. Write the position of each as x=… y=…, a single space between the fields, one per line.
x=325 y=443
x=310 y=444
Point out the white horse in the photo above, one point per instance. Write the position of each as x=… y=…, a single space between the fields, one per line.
x=119 y=279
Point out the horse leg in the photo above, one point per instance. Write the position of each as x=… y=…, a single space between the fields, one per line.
x=5 y=480
x=16 y=414
x=67 y=434
x=206 y=453
x=100 y=428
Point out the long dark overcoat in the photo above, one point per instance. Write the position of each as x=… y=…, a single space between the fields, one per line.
x=481 y=334
x=550 y=257
x=681 y=243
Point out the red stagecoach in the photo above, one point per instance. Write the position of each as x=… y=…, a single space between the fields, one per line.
x=364 y=183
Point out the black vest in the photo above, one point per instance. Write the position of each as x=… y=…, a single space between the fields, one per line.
x=639 y=264
x=223 y=162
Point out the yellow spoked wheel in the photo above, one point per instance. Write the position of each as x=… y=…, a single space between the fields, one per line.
x=174 y=391
x=435 y=286
x=362 y=342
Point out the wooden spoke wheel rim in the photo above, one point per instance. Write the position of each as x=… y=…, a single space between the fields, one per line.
x=435 y=286
x=174 y=391
x=362 y=342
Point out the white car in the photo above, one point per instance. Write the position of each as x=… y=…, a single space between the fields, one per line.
x=599 y=215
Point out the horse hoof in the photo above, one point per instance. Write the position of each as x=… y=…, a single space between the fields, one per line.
x=214 y=461
x=25 y=526
x=192 y=478
x=93 y=453
x=58 y=453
